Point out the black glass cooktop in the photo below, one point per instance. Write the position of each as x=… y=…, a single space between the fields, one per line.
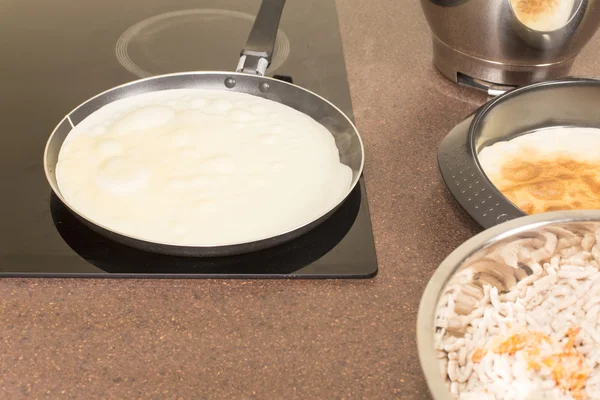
x=58 y=54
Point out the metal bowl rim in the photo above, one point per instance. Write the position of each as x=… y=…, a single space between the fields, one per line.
x=447 y=268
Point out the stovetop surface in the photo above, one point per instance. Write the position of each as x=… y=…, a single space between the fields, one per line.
x=58 y=54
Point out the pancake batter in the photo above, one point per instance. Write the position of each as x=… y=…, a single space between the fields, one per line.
x=200 y=167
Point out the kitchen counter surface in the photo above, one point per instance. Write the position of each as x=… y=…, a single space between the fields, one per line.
x=226 y=339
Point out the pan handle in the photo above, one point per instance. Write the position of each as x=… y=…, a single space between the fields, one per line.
x=256 y=54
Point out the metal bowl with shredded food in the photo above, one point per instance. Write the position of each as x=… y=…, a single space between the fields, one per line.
x=514 y=313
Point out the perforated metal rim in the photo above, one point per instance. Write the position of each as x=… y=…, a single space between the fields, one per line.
x=464 y=179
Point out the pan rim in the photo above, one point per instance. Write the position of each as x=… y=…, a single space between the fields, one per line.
x=314 y=220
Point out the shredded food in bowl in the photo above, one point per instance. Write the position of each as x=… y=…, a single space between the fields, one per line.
x=523 y=321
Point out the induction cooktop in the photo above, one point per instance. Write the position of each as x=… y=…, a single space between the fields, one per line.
x=58 y=54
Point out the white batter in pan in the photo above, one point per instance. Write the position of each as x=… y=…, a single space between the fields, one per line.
x=200 y=167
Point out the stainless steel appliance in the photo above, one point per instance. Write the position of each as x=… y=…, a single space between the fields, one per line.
x=490 y=45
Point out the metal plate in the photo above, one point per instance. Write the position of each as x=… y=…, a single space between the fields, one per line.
x=566 y=102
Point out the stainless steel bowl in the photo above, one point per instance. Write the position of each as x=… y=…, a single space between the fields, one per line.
x=564 y=102
x=450 y=276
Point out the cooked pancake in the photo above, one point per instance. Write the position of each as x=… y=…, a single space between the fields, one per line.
x=548 y=170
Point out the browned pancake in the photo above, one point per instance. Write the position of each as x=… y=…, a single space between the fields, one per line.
x=534 y=7
x=541 y=15
x=538 y=185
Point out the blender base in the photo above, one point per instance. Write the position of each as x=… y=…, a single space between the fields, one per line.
x=491 y=76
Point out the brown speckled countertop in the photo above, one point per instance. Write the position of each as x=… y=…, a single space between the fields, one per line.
x=197 y=339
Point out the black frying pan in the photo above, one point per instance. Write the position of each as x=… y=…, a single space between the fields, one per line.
x=250 y=79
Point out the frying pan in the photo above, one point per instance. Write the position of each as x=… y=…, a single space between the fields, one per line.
x=249 y=78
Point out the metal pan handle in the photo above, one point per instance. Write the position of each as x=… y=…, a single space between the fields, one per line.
x=256 y=54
